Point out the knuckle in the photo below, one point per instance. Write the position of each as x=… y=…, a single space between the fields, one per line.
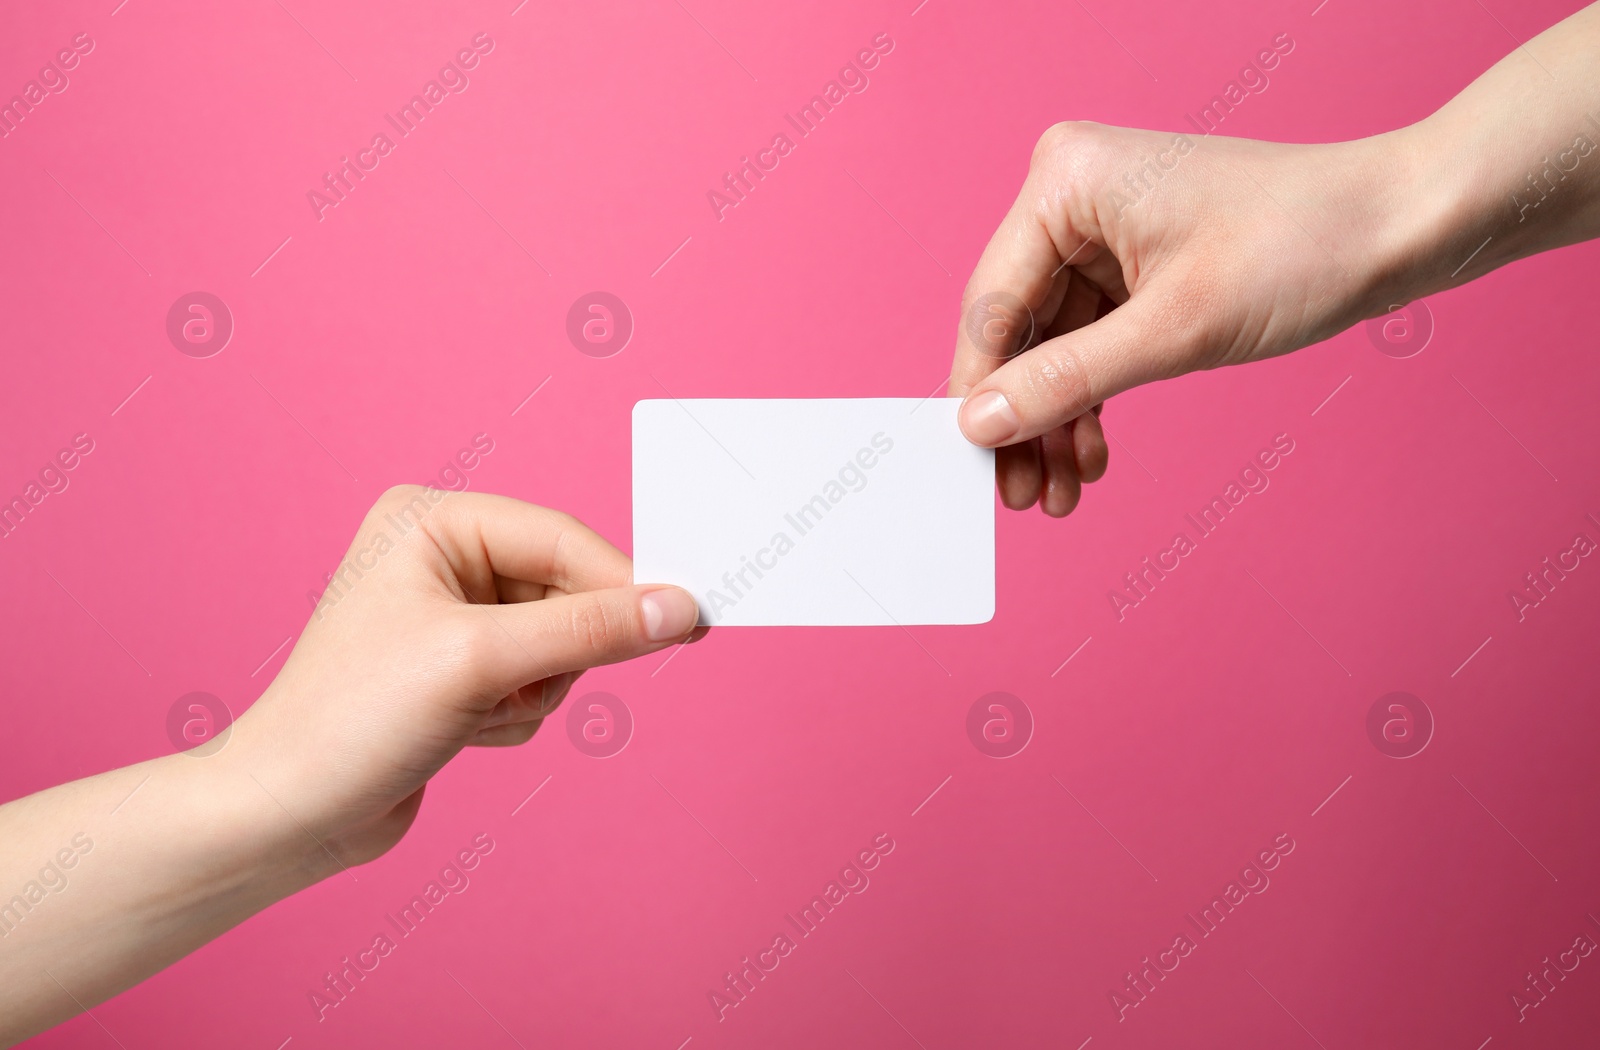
x=595 y=626
x=1064 y=147
x=472 y=644
x=1055 y=140
x=1058 y=379
x=396 y=494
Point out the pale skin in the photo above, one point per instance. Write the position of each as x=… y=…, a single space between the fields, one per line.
x=466 y=633
x=474 y=625
x=1245 y=250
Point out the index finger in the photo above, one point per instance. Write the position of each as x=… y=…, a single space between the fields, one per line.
x=524 y=542
x=1012 y=282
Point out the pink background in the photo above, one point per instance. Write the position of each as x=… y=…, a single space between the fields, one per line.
x=1221 y=712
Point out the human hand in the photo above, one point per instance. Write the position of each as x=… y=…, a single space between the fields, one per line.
x=456 y=619
x=1214 y=251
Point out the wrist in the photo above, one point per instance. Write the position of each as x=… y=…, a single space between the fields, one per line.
x=252 y=843
x=332 y=808
x=1429 y=217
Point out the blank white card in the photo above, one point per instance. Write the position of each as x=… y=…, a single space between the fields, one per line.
x=815 y=512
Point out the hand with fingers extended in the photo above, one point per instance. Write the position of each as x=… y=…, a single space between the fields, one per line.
x=1131 y=256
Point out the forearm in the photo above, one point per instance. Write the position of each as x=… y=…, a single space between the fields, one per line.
x=107 y=880
x=1511 y=166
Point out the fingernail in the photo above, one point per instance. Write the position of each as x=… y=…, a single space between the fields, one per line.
x=668 y=613
x=989 y=419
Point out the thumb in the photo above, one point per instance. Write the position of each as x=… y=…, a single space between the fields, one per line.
x=1062 y=378
x=529 y=641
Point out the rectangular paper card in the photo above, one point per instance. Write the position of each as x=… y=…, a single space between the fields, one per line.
x=834 y=511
